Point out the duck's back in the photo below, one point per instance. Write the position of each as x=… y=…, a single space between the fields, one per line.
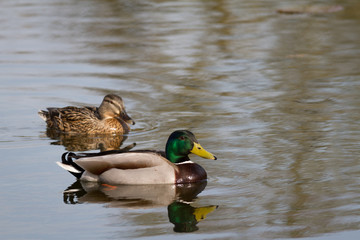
x=73 y=119
x=128 y=168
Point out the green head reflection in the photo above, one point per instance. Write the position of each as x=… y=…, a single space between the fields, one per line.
x=185 y=217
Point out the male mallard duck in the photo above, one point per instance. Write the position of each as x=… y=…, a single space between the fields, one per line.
x=110 y=117
x=143 y=166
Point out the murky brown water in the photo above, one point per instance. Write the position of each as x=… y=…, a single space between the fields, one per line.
x=274 y=96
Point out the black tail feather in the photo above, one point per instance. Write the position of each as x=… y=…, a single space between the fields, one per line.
x=67 y=159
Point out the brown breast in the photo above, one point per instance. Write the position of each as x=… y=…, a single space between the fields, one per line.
x=190 y=173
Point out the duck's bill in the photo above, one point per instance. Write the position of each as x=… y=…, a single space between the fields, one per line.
x=201 y=212
x=127 y=118
x=130 y=121
x=200 y=151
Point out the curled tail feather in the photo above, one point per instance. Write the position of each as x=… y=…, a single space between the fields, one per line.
x=68 y=164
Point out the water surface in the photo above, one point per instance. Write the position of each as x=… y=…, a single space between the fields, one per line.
x=274 y=96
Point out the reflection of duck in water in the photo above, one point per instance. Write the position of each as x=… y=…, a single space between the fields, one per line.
x=176 y=197
x=143 y=167
x=185 y=217
x=109 y=117
x=134 y=196
x=80 y=142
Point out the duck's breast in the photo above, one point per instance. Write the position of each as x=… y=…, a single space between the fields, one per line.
x=115 y=125
x=190 y=172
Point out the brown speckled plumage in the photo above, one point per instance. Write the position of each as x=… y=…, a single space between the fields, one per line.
x=109 y=117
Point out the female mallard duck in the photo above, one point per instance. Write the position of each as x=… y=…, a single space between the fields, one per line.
x=110 y=117
x=143 y=166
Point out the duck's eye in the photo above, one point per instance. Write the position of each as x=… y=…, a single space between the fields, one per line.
x=109 y=101
x=182 y=138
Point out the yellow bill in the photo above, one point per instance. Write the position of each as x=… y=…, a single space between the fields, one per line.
x=200 y=151
x=201 y=212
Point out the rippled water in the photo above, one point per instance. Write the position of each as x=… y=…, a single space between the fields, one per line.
x=274 y=96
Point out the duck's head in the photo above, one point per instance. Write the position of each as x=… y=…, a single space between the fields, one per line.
x=181 y=143
x=113 y=106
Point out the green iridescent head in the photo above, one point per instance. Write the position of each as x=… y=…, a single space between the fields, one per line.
x=181 y=143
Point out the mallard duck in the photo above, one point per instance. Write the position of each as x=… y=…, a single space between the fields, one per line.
x=144 y=166
x=109 y=117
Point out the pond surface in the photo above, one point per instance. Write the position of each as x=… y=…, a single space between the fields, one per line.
x=274 y=96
